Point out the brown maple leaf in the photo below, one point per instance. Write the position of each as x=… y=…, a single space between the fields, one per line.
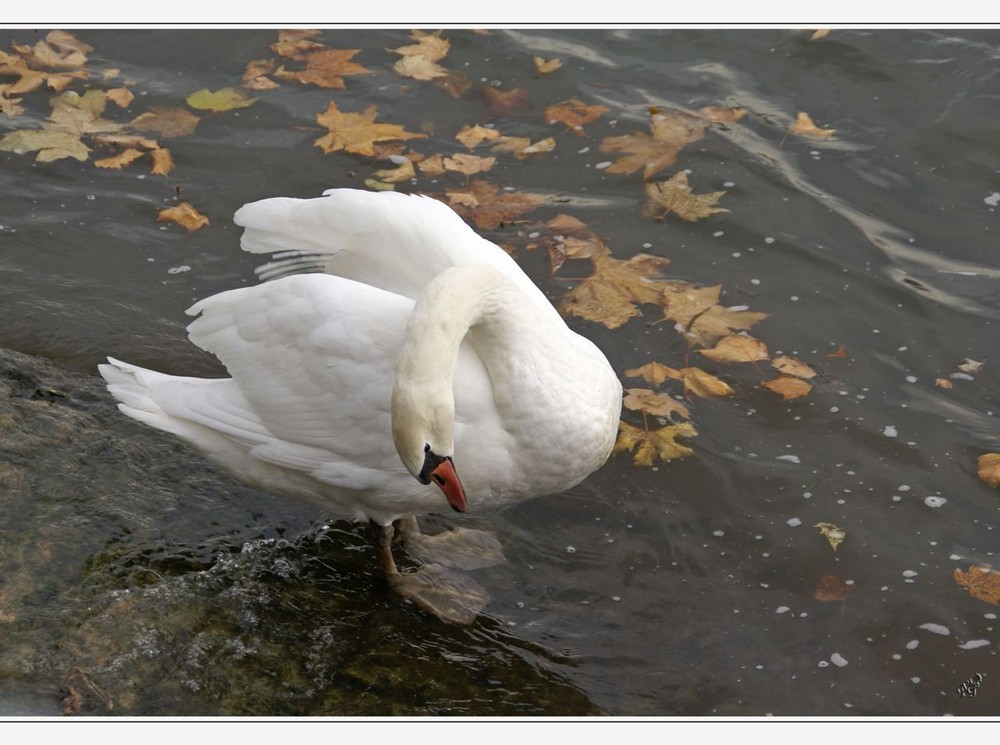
x=792 y=366
x=737 y=348
x=669 y=132
x=325 y=68
x=477 y=135
x=675 y=196
x=657 y=404
x=648 y=446
x=570 y=238
x=501 y=103
x=574 y=114
x=489 y=207
x=296 y=43
x=255 y=75
x=655 y=373
x=430 y=46
x=166 y=121
x=357 y=132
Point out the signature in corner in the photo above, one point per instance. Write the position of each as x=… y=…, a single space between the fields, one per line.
x=970 y=687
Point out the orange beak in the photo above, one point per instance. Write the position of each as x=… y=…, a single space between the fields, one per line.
x=445 y=477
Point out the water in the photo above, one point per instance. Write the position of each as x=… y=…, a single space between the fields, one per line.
x=687 y=589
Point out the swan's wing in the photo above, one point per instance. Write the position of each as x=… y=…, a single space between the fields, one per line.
x=314 y=358
x=393 y=241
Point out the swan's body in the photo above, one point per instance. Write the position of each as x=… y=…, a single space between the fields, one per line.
x=417 y=337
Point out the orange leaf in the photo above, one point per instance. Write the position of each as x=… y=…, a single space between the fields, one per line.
x=489 y=207
x=183 y=214
x=831 y=587
x=791 y=366
x=574 y=114
x=119 y=161
x=163 y=161
x=788 y=387
x=473 y=136
x=737 y=348
x=704 y=384
x=989 y=469
x=982 y=582
x=805 y=126
x=675 y=196
x=255 y=75
x=325 y=68
x=657 y=404
x=545 y=66
x=648 y=446
x=356 y=133
x=655 y=373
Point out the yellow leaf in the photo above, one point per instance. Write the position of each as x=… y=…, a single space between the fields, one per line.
x=473 y=136
x=418 y=68
x=522 y=147
x=163 y=161
x=708 y=327
x=675 y=196
x=325 y=68
x=119 y=161
x=655 y=373
x=183 y=214
x=468 y=164
x=791 y=366
x=356 y=133
x=11 y=106
x=788 y=387
x=403 y=172
x=805 y=126
x=988 y=468
x=545 y=66
x=51 y=144
x=655 y=151
x=706 y=385
x=834 y=535
x=431 y=46
x=819 y=34
x=224 y=99
x=737 y=348
x=648 y=446
x=657 y=404
x=295 y=43
x=982 y=582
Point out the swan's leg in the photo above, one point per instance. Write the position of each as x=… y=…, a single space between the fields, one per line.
x=448 y=595
x=460 y=548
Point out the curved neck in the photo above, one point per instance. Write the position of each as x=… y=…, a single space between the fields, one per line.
x=423 y=400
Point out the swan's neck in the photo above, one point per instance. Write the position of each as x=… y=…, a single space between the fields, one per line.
x=423 y=403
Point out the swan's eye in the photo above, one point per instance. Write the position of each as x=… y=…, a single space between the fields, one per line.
x=427 y=448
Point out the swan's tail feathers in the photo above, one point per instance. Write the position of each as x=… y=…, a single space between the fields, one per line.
x=198 y=410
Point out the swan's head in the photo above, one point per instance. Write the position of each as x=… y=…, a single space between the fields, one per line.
x=424 y=439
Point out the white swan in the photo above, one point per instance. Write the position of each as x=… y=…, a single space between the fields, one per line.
x=420 y=369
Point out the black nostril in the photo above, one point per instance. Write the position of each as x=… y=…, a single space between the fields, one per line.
x=438 y=479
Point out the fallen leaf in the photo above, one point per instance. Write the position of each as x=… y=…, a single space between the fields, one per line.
x=831 y=587
x=834 y=535
x=574 y=114
x=356 y=133
x=614 y=289
x=163 y=161
x=418 y=68
x=468 y=164
x=255 y=75
x=477 y=135
x=944 y=383
x=456 y=83
x=501 y=103
x=722 y=114
x=325 y=68
x=224 y=99
x=166 y=121
x=11 y=106
x=982 y=582
x=655 y=151
x=657 y=404
x=805 y=126
x=840 y=353
x=648 y=446
x=737 y=348
x=675 y=196
x=183 y=214
x=788 y=387
x=430 y=45
x=972 y=366
x=60 y=136
x=791 y=366
x=655 y=373
x=120 y=160
x=700 y=383
x=121 y=96
x=296 y=43
x=545 y=66
x=570 y=238
x=988 y=468
x=523 y=147
x=51 y=144
x=699 y=317
x=819 y=34
x=403 y=172
x=489 y=207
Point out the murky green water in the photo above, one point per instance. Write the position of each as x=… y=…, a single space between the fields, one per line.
x=140 y=580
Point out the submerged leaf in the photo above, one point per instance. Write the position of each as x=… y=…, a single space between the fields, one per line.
x=220 y=100
x=982 y=582
x=832 y=587
x=834 y=535
x=648 y=446
x=574 y=114
x=675 y=196
x=988 y=468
